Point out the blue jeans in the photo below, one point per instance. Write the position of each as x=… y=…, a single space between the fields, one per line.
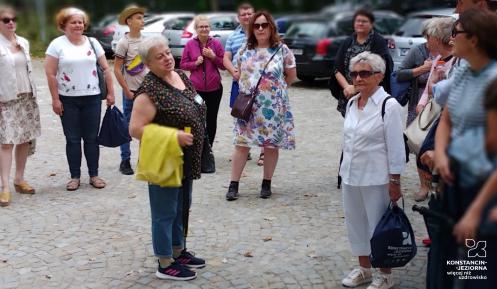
x=127 y=108
x=166 y=206
x=81 y=120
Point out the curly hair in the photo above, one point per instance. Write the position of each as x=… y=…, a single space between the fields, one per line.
x=274 y=38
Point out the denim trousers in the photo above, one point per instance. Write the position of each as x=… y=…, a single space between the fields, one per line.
x=166 y=206
x=81 y=120
x=127 y=108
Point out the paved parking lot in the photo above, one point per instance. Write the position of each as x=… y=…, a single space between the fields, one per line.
x=101 y=238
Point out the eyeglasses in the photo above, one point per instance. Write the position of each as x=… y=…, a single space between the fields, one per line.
x=362 y=73
x=203 y=27
x=6 y=20
x=455 y=32
x=258 y=26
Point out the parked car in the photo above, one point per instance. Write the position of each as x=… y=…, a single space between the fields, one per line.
x=315 y=40
x=154 y=25
x=222 y=25
x=284 y=21
x=103 y=32
x=410 y=35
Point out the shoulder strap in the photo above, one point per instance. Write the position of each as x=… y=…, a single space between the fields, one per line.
x=383 y=106
x=94 y=51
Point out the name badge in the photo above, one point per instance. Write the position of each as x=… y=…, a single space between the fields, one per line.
x=198 y=99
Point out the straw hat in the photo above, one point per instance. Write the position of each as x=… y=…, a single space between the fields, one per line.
x=128 y=12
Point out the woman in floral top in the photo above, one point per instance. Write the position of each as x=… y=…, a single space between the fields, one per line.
x=271 y=124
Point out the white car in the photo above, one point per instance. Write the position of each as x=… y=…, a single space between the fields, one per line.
x=154 y=25
x=222 y=25
x=410 y=35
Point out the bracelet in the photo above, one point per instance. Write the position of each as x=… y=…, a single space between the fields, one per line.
x=395 y=181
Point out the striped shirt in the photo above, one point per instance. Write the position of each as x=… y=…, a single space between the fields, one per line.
x=467 y=92
x=234 y=42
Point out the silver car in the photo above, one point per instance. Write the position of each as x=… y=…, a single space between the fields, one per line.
x=222 y=25
x=410 y=35
x=154 y=24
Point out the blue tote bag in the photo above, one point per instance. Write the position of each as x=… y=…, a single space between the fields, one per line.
x=114 y=130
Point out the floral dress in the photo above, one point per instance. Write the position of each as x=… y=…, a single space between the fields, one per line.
x=271 y=123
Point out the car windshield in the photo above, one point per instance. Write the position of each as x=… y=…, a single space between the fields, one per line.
x=413 y=27
x=223 y=23
x=306 y=29
x=177 y=23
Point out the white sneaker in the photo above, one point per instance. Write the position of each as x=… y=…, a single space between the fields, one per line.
x=357 y=277
x=382 y=281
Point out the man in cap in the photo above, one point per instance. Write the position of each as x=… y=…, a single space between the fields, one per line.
x=129 y=69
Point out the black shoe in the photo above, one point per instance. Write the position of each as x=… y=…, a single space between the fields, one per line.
x=175 y=271
x=249 y=157
x=232 y=193
x=189 y=260
x=266 y=189
x=125 y=168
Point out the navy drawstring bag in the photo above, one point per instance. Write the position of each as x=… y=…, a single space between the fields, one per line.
x=392 y=244
x=114 y=130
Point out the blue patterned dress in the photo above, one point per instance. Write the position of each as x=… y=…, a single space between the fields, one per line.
x=271 y=123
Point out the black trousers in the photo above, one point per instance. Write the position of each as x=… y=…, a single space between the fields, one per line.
x=212 y=100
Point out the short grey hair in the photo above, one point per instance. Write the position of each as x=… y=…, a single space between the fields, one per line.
x=148 y=43
x=441 y=28
x=198 y=18
x=374 y=60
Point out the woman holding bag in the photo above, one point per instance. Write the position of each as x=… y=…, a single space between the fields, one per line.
x=373 y=160
x=70 y=67
x=271 y=124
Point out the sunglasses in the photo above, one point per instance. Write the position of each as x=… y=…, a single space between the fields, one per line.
x=455 y=32
x=7 y=20
x=258 y=26
x=362 y=73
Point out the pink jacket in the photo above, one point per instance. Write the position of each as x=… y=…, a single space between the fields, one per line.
x=205 y=77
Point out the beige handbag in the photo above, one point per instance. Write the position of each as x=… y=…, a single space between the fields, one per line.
x=418 y=129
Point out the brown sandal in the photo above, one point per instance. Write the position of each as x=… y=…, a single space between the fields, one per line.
x=73 y=185
x=260 y=161
x=24 y=188
x=97 y=182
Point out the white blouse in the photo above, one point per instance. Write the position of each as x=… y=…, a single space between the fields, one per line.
x=22 y=78
x=373 y=147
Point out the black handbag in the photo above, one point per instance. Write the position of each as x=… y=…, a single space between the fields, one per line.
x=100 y=73
x=242 y=107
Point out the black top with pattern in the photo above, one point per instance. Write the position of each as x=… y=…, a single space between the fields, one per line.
x=178 y=108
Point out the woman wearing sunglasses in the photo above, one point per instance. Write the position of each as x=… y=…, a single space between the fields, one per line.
x=19 y=114
x=475 y=40
x=373 y=160
x=270 y=126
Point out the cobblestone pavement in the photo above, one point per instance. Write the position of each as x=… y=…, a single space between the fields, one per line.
x=101 y=238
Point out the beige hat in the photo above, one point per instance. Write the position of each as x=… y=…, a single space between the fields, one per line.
x=128 y=12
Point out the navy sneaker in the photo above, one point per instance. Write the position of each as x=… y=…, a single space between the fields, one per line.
x=189 y=260
x=175 y=271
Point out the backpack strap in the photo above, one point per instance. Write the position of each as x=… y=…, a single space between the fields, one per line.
x=383 y=106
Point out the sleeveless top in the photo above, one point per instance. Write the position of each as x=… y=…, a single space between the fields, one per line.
x=178 y=108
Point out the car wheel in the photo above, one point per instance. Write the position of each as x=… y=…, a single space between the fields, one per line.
x=306 y=78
